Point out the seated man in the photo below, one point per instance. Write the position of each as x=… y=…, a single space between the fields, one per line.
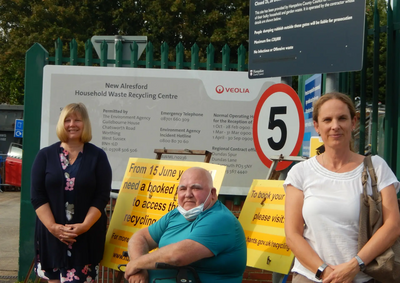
x=200 y=232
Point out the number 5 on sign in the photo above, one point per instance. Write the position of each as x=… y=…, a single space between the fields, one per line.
x=278 y=126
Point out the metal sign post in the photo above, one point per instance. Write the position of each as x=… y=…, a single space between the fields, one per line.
x=112 y=40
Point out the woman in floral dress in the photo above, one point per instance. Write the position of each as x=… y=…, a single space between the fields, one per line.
x=70 y=188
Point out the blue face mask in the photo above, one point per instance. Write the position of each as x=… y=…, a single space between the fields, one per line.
x=192 y=214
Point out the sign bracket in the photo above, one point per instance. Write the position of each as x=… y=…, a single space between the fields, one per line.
x=278 y=158
x=160 y=152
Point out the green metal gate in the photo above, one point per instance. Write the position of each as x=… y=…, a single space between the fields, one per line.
x=37 y=57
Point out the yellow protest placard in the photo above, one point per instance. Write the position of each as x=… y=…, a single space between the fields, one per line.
x=263 y=219
x=148 y=191
x=315 y=143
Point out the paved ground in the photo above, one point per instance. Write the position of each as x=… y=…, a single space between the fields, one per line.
x=9 y=235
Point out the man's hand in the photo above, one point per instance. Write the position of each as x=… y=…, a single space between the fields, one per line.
x=141 y=277
x=131 y=269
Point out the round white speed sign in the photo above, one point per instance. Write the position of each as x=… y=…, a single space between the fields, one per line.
x=278 y=126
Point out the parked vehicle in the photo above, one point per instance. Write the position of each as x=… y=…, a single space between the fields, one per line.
x=13 y=165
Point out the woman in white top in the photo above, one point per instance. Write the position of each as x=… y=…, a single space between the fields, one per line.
x=323 y=202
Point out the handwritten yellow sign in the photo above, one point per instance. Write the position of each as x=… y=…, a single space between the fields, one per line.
x=263 y=220
x=148 y=191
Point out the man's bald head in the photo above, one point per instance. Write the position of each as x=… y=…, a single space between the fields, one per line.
x=194 y=187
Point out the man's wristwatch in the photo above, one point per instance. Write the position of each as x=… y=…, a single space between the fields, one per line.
x=321 y=269
x=360 y=263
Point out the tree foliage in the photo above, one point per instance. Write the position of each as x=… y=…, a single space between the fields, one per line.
x=380 y=13
x=24 y=22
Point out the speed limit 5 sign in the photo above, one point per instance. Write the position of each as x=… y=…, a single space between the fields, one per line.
x=278 y=126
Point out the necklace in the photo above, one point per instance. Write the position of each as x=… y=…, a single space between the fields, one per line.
x=340 y=167
x=76 y=149
x=72 y=160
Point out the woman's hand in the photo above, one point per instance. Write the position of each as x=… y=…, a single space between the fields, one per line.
x=64 y=235
x=342 y=273
x=71 y=231
x=327 y=272
x=57 y=230
x=76 y=229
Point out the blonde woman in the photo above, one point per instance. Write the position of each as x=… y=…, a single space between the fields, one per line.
x=70 y=187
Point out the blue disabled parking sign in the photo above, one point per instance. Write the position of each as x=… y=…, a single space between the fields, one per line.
x=19 y=128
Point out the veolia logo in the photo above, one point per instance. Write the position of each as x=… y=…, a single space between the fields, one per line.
x=220 y=89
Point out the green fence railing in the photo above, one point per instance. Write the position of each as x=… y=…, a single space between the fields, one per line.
x=149 y=62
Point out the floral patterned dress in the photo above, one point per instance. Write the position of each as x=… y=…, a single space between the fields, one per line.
x=75 y=274
x=70 y=171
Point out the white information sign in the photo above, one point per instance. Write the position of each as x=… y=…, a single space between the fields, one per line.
x=134 y=111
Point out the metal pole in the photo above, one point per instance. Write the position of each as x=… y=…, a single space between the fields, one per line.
x=118 y=51
x=396 y=89
x=278 y=277
x=287 y=80
x=389 y=125
x=332 y=82
x=363 y=90
x=375 y=88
